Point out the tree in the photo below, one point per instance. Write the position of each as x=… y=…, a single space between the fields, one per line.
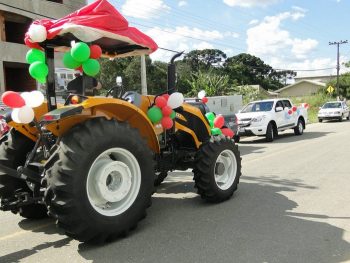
x=213 y=84
x=205 y=59
x=246 y=69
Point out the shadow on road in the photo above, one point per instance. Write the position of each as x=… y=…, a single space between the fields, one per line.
x=287 y=137
x=24 y=253
x=256 y=225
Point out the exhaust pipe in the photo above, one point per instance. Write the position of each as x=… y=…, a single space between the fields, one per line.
x=172 y=73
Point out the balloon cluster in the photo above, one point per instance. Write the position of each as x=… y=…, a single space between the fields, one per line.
x=84 y=58
x=216 y=125
x=201 y=96
x=163 y=111
x=291 y=111
x=37 y=69
x=22 y=104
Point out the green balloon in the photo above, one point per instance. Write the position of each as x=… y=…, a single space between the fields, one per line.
x=155 y=114
x=91 y=67
x=43 y=80
x=35 y=55
x=211 y=123
x=70 y=62
x=38 y=70
x=80 y=52
x=173 y=115
x=210 y=116
x=216 y=131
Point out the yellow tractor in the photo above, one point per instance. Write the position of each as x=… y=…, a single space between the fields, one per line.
x=92 y=163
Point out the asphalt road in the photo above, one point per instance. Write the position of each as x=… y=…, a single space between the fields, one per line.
x=292 y=205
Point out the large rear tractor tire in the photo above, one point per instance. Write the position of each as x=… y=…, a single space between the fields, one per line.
x=217 y=169
x=13 y=152
x=100 y=181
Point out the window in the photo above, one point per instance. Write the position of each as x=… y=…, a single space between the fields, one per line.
x=287 y=104
x=69 y=76
x=279 y=104
x=62 y=75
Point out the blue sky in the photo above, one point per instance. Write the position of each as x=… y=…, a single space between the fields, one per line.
x=286 y=34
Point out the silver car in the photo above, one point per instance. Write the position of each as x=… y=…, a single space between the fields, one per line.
x=334 y=110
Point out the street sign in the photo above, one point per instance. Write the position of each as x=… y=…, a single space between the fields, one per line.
x=330 y=89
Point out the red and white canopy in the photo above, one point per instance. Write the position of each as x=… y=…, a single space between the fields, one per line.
x=98 y=23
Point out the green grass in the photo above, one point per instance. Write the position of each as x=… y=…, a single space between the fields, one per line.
x=314 y=101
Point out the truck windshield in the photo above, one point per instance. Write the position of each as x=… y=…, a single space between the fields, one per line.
x=258 y=106
x=331 y=105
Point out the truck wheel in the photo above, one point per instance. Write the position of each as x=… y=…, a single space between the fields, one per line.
x=217 y=169
x=348 y=117
x=160 y=176
x=341 y=118
x=299 y=129
x=13 y=153
x=270 y=132
x=101 y=180
x=320 y=120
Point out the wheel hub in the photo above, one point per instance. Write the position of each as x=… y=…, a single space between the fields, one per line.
x=113 y=180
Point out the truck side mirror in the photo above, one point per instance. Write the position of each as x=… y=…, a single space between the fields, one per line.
x=278 y=109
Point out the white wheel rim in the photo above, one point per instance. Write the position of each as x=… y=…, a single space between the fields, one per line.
x=225 y=169
x=300 y=127
x=113 y=181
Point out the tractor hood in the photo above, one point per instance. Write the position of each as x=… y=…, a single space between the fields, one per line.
x=97 y=23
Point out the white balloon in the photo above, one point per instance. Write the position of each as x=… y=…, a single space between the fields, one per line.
x=37 y=33
x=175 y=100
x=36 y=99
x=25 y=114
x=14 y=115
x=201 y=94
x=26 y=96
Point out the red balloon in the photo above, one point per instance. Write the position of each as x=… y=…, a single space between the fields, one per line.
x=306 y=105
x=80 y=69
x=12 y=99
x=205 y=100
x=294 y=108
x=166 y=96
x=95 y=51
x=167 y=123
x=228 y=132
x=290 y=112
x=166 y=111
x=161 y=102
x=219 y=121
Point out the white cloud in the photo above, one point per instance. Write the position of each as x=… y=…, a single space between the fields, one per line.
x=250 y=3
x=268 y=39
x=253 y=22
x=182 y=3
x=177 y=39
x=144 y=9
x=231 y=34
x=301 y=48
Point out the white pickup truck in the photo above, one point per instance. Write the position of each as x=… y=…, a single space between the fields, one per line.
x=268 y=117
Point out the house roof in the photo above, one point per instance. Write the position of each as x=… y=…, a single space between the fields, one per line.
x=317 y=83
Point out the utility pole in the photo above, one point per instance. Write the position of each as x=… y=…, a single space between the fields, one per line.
x=143 y=76
x=338 y=64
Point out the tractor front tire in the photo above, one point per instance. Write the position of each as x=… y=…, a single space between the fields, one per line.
x=217 y=169
x=100 y=181
x=13 y=153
